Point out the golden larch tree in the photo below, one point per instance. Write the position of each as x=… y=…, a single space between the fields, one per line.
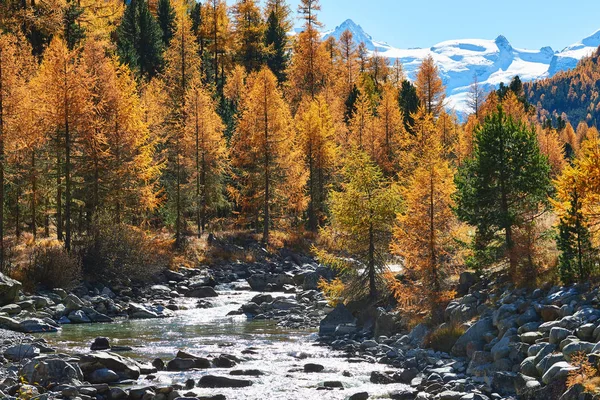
x=65 y=103
x=316 y=137
x=182 y=69
x=207 y=153
x=390 y=132
x=423 y=232
x=430 y=88
x=271 y=174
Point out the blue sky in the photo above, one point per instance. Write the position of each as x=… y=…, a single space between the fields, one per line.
x=528 y=24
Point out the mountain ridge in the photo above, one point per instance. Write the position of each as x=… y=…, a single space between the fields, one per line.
x=491 y=61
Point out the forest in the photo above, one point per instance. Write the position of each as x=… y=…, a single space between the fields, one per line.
x=131 y=131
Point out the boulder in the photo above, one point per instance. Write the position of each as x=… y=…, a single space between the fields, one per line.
x=139 y=311
x=473 y=337
x=262 y=298
x=558 y=334
x=50 y=370
x=72 y=303
x=35 y=325
x=125 y=368
x=78 y=317
x=100 y=343
x=224 y=361
x=558 y=371
x=339 y=316
x=387 y=323
x=465 y=281
x=11 y=309
x=404 y=394
x=246 y=372
x=9 y=290
x=577 y=347
x=103 y=375
x=550 y=312
x=21 y=351
x=213 y=381
x=310 y=367
x=202 y=292
x=359 y=396
x=10 y=324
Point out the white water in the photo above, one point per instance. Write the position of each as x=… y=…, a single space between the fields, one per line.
x=207 y=332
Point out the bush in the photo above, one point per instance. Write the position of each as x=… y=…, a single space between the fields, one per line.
x=50 y=266
x=121 y=254
x=445 y=336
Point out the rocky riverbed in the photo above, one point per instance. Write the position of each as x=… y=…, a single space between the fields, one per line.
x=249 y=330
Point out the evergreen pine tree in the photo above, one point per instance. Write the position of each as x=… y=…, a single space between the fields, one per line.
x=276 y=43
x=166 y=20
x=409 y=103
x=72 y=30
x=506 y=178
x=139 y=40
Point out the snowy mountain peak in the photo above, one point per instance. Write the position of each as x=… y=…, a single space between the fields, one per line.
x=503 y=43
x=593 y=40
x=491 y=61
x=358 y=34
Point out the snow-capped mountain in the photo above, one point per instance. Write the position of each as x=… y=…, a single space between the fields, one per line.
x=492 y=61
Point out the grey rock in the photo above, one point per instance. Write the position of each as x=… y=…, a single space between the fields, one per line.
x=213 y=381
x=577 y=347
x=125 y=367
x=340 y=315
x=79 y=317
x=202 y=292
x=21 y=351
x=559 y=370
x=103 y=375
x=473 y=337
x=50 y=370
x=9 y=290
x=558 y=334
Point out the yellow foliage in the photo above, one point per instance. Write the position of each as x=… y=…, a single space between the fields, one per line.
x=586 y=374
x=333 y=290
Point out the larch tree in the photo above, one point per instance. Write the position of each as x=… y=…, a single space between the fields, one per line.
x=181 y=70
x=270 y=174
x=362 y=215
x=207 y=154
x=430 y=87
x=124 y=172
x=577 y=257
x=390 y=132
x=476 y=97
x=309 y=68
x=66 y=107
x=424 y=227
x=552 y=147
x=316 y=137
x=505 y=179
x=349 y=60
x=361 y=125
x=249 y=30
x=218 y=38
x=14 y=73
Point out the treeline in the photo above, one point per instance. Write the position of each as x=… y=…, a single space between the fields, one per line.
x=571 y=94
x=176 y=115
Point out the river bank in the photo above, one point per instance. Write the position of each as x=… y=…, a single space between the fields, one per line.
x=241 y=330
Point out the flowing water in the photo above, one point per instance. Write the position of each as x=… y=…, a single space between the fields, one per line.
x=211 y=332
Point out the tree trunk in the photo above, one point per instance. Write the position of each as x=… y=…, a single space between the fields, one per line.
x=33 y=196
x=267 y=172
x=1 y=167
x=371 y=265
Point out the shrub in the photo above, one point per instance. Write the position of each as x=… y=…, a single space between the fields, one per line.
x=585 y=375
x=50 y=266
x=332 y=290
x=445 y=336
x=118 y=253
